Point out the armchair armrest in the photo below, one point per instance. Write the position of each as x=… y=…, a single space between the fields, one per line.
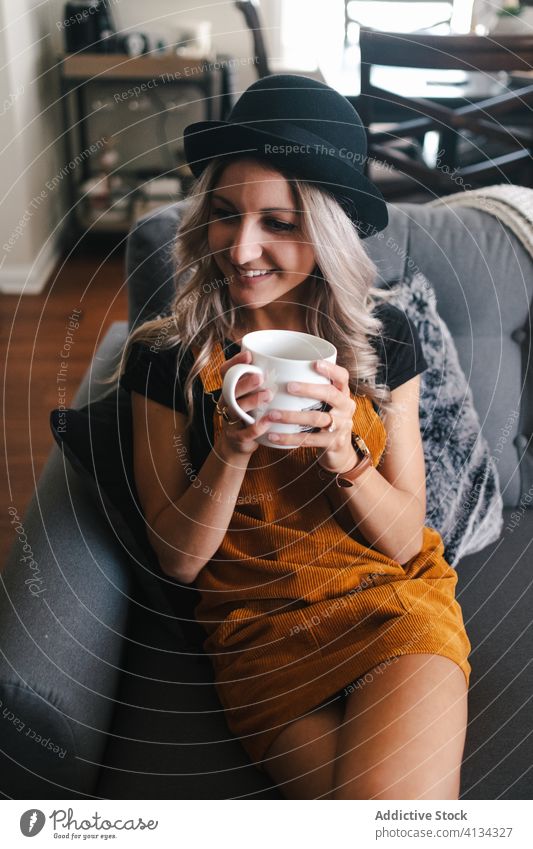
x=63 y=612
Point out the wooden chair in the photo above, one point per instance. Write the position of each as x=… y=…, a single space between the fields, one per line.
x=250 y=10
x=478 y=123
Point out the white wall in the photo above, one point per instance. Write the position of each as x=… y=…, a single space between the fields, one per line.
x=29 y=151
x=31 y=126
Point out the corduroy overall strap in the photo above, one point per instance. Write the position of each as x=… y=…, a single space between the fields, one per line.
x=210 y=373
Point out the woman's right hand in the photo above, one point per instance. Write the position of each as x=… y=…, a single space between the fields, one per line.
x=240 y=439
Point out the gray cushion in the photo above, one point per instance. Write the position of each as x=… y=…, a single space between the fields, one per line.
x=97 y=440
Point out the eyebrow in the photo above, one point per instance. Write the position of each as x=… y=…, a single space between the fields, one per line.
x=265 y=209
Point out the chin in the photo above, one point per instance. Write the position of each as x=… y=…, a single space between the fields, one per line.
x=250 y=305
x=247 y=295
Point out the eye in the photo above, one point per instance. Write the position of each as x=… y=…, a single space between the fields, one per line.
x=218 y=211
x=280 y=226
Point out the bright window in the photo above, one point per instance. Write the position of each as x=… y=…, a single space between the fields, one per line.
x=397 y=16
x=312 y=31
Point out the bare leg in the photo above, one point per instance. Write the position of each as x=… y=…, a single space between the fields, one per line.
x=404 y=732
x=301 y=759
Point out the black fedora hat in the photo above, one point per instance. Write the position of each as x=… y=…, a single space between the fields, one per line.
x=302 y=126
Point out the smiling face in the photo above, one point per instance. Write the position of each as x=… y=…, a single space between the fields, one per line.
x=255 y=226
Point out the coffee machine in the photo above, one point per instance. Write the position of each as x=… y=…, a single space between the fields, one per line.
x=89 y=27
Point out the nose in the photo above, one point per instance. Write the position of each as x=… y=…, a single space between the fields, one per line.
x=245 y=242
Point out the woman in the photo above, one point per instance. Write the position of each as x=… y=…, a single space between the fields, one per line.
x=339 y=650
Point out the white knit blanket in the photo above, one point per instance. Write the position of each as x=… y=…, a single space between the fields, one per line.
x=512 y=205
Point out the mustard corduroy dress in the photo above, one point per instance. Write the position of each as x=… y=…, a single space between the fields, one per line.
x=295 y=608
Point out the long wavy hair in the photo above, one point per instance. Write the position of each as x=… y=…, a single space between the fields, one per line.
x=341 y=294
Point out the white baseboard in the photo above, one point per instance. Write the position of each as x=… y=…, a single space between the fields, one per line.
x=29 y=279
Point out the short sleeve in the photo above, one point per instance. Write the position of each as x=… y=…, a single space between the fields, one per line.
x=399 y=347
x=153 y=372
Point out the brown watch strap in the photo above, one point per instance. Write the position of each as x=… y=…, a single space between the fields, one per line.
x=345 y=479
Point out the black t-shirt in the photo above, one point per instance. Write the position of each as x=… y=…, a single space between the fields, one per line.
x=160 y=374
x=399 y=349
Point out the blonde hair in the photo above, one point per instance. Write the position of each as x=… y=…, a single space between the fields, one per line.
x=341 y=291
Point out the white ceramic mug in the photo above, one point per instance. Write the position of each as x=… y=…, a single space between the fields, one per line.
x=280 y=356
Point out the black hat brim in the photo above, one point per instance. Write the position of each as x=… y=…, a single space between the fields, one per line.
x=206 y=140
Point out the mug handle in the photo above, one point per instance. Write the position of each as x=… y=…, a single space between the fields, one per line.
x=232 y=376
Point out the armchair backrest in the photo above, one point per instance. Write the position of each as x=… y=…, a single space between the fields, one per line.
x=483 y=279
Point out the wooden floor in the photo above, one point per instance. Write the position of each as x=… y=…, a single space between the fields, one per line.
x=32 y=334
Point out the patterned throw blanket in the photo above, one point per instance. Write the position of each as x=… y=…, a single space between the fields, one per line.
x=512 y=205
x=464 y=501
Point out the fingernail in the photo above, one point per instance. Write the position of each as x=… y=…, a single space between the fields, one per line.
x=274 y=414
x=293 y=387
x=321 y=364
x=274 y=437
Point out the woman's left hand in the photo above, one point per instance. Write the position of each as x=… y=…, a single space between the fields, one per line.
x=339 y=454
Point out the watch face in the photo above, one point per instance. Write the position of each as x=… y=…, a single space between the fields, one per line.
x=360 y=445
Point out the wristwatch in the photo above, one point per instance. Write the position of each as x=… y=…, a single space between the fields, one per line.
x=345 y=479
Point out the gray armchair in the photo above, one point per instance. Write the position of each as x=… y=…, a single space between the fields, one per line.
x=95 y=699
